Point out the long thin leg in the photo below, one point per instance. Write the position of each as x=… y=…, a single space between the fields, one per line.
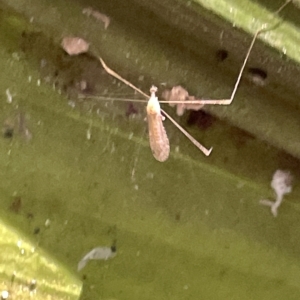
x=225 y=101
x=228 y=101
x=205 y=101
x=114 y=74
x=249 y=51
x=193 y=140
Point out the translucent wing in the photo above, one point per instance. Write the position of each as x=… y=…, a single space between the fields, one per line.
x=159 y=142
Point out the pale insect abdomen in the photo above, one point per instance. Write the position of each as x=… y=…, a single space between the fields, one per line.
x=159 y=142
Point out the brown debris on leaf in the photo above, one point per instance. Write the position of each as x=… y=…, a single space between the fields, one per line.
x=88 y=11
x=178 y=93
x=74 y=45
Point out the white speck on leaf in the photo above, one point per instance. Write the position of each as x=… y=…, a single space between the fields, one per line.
x=9 y=96
x=47 y=223
x=281 y=184
x=99 y=253
x=4 y=295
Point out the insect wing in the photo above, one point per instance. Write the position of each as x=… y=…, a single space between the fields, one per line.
x=159 y=142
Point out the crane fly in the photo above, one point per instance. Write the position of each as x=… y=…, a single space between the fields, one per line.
x=159 y=142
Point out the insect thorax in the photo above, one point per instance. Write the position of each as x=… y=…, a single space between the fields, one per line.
x=153 y=106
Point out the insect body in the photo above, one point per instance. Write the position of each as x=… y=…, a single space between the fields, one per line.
x=159 y=142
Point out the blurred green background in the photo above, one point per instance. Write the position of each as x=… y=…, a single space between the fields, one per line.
x=188 y=228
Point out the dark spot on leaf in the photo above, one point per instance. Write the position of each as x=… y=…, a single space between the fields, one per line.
x=32 y=285
x=222 y=273
x=16 y=205
x=131 y=110
x=8 y=132
x=201 y=119
x=221 y=55
x=36 y=230
x=257 y=76
x=240 y=137
x=30 y=216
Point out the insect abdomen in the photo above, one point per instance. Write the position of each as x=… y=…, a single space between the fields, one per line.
x=159 y=142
